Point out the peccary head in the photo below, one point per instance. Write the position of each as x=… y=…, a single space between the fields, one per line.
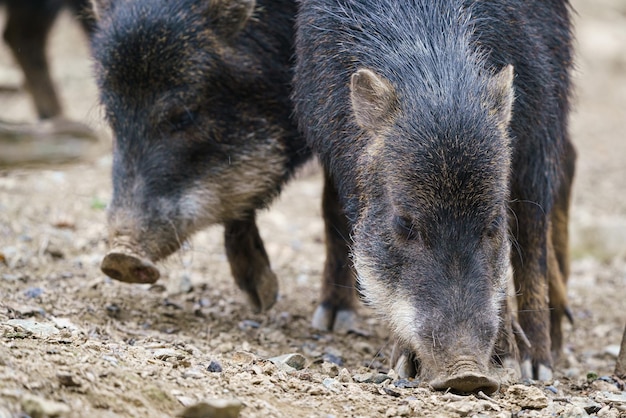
x=430 y=245
x=197 y=100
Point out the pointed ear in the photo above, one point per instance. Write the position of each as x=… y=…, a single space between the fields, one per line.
x=100 y=8
x=502 y=95
x=230 y=16
x=374 y=100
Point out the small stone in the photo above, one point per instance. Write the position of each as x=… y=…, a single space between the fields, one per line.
x=67 y=379
x=37 y=407
x=247 y=324
x=165 y=353
x=573 y=411
x=528 y=397
x=344 y=376
x=462 y=408
x=332 y=384
x=185 y=285
x=214 y=367
x=193 y=374
x=406 y=383
x=330 y=369
x=64 y=323
x=216 y=408
x=243 y=357
x=363 y=377
x=332 y=358
x=33 y=292
x=293 y=360
x=38 y=329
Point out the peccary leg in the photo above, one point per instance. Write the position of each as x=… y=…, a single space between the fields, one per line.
x=530 y=269
x=26 y=31
x=249 y=263
x=337 y=308
x=558 y=261
x=620 y=366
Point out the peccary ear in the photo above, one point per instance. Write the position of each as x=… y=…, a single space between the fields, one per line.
x=230 y=16
x=101 y=8
x=374 y=100
x=502 y=95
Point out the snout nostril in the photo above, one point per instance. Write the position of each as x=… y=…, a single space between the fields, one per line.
x=129 y=268
x=112 y=273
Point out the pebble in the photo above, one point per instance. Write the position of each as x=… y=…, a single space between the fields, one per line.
x=405 y=383
x=38 y=329
x=573 y=411
x=215 y=408
x=528 y=397
x=377 y=378
x=247 y=324
x=214 y=367
x=68 y=380
x=33 y=292
x=344 y=376
x=38 y=407
x=293 y=360
x=332 y=384
x=165 y=353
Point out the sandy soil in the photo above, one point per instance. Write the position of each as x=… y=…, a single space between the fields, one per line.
x=74 y=343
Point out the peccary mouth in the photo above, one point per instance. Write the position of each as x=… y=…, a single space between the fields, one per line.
x=125 y=264
x=465 y=375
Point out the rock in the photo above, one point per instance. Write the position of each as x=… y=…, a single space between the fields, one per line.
x=528 y=397
x=165 y=353
x=332 y=385
x=67 y=379
x=215 y=408
x=37 y=407
x=62 y=323
x=573 y=411
x=344 y=376
x=377 y=378
x=462 y=408
x=38 y=329
x=293 y=360
x=405 y=383
x=608 y=397
x=243 y=357
x=214 y=367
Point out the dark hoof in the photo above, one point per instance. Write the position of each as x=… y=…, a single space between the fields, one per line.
x=541 y=372
x=328 y=319
x=129 y=268
x=264 y=291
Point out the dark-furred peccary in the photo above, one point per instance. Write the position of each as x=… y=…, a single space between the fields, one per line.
x=444 y=126
x=197 y=95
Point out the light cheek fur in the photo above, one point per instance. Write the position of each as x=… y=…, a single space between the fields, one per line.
x=402 y=316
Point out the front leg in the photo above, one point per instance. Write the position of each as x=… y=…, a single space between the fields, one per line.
x=250 y=264
x=338 y=302
x=529 y=260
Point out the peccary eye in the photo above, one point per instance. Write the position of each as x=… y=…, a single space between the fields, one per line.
x=181 y=121
x=406 y=228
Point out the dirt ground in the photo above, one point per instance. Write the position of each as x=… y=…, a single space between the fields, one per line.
x=74 y=343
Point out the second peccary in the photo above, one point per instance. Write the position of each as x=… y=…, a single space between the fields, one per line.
x=444 y=127
x=197 y=95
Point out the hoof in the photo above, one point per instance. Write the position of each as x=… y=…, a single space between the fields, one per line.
x=264 y=292
x=542 y=373
x=339 y=321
